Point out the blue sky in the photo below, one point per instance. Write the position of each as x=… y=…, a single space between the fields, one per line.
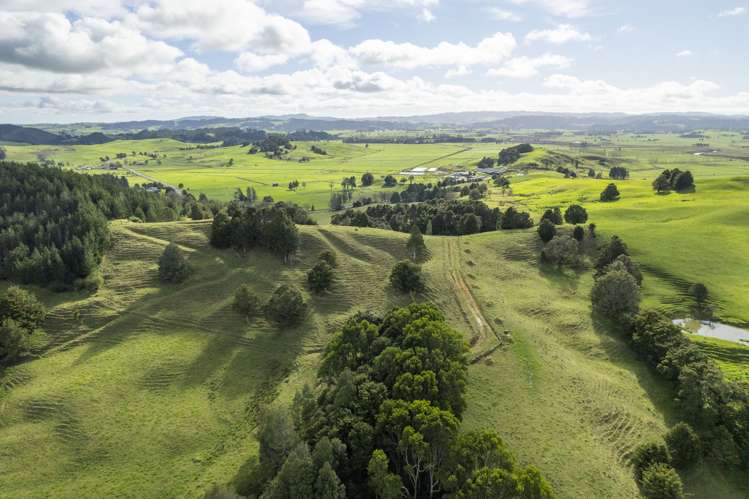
x=106 y=60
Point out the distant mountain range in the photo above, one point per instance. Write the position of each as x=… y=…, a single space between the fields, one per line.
x=489 y=121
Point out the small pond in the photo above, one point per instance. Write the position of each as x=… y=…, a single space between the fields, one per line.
x=715 y=330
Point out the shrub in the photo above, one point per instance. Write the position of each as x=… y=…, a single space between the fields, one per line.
x=615 y=294
x=329 y=257
x=286 y=306
x=684 y=445
x=546 y=230
x=320 y=277
x=647 y=455
x=245 y=301
x=575 y=214
x=173 y=266
x=562 y=250
x=699 y=292
x=14 y=341
x=625 y=263
x=367 y=179
x=22 y=307
x=554 y=216
x=611 y=252
x=610 y=193
x=578 y=233
x=660 y=481
x=406 y=277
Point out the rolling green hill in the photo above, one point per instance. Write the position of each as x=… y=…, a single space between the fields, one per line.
x=149 y=390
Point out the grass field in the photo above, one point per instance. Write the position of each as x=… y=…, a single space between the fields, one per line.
x=147 y=390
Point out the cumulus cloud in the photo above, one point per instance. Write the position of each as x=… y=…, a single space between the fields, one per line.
x=229 y=25
x=684 y=53
x=504 y=15
x=527 y=67
x=563 y=33
x=50 y=41
x=407 y=55
x=738 y=11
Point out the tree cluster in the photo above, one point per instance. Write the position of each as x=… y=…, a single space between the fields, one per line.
x=677 y=180
x=438 y=217
x=512 y=154
x=618 y=173
x=616 y=291
x=53 y=223
x=318 y=150
x=272 y=227
x=384 y=421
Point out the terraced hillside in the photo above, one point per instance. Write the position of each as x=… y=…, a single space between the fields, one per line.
x=146 y=390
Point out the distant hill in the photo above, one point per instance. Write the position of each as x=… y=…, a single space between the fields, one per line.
x=27 y=135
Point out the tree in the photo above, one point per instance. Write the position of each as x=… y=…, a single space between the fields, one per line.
x=384 y=484
x=618 y=173
x=245 y=301
x=562 y=250
x=533 y=485
x=553 y=215
x=513 y=219
x=660 y=481
x=328 y=485
x=2 y=154
x=699 y=292
x=22 y=307
x=578 y=233
x=470 y=224
x=390 y=181
x=415 y=244
x=683 y=182
x=610 y=193
x=546 y=230
x=320 y=277
x=296 y=478
x=286 y=306
x=280 y=235
x=173 y=266
x=649 y=454
x=616 y=294
x=14 y=341
x=336 y=202
x=406 y=277
x=221 y=231
x=611 y=252
x=662 y=183
x=575 y=214
x=626 y=264
x=329 y=257
x=684 y=445
x=367 y=179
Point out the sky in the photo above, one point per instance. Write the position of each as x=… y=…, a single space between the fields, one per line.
x=113 y=60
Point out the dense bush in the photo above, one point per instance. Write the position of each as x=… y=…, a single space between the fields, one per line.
x=615 y=294
x=320 y=277
x=329 y=257
x=406 y=277
x=553 y=215
x=647 y=455
x=575 y=214
x=562 y=250
x=660 y=481
x=21 y=315
x=684 y=445
x=610 y=193
x=546 y=230
x=578 y=233
x=286 y=306
x=173 y=266
x=245 y=301
x=53 y=222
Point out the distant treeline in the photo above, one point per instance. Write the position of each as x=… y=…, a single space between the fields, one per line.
x=401 y=139
x=53 y=223
x=228 y=136
x=437 y=217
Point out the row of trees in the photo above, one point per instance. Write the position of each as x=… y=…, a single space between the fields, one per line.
x=383 y=420
x=437 y=217
x=53 y=223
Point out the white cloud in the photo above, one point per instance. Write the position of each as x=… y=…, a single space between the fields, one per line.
x=626 y=28
x=563 y=33
x=407 y=55
x=229 y=25
x=527 y=67
x=50 y=41
x=101 y=8
x=458 y=72
x=346 y=12
x=684 y=53
x=561 y=8
x=504 y=15
x=250 y=63
x=426 y=15
x=738 y=11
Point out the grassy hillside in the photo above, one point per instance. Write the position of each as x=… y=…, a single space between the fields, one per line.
x=152 y=391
